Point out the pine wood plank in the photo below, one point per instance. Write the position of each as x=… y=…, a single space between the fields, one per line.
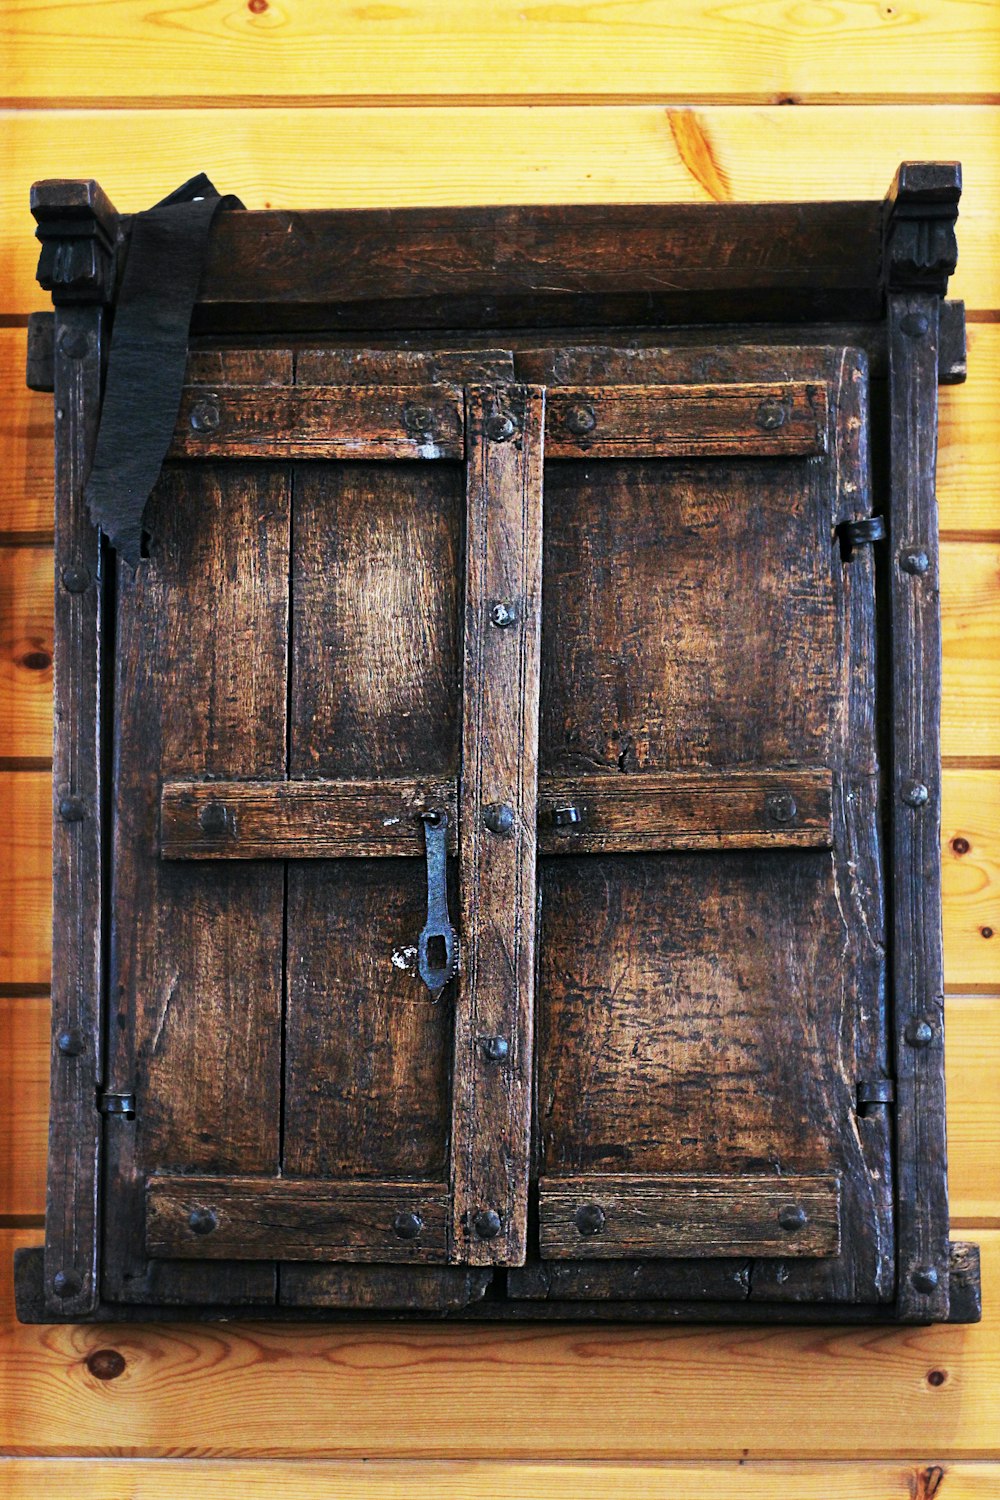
x=374 y=157
x=972 y=1057
x=26 y=482
x=968 y=476
x=122 y=50
x=25 y=651
x=970 y=834
x=25 y=877
x=24 y=1103
x=472 y=1479
x=970 y=629
x=411 y=1391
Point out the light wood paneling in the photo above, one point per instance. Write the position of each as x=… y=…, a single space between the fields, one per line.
x=25 y=651
x=971 y=816
x=968 y=479
x=972 y=1055
x=306 y=158
x=24 y=1103
x=542 y=1392
x=25 y=877
x=970 y=624
x=472 y=1479
x=125 y=50
x=25 y=446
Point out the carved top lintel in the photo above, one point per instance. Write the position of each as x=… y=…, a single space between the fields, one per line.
x=921 y=250
x=78 y=230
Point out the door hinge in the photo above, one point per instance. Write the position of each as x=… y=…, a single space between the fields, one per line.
x=112 y=1103
x=875 y=1092
x=861 y=533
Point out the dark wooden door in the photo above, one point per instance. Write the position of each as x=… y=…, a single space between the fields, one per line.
x=328 y=672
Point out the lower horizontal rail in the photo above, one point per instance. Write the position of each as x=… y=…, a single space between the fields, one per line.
x=284 y=1218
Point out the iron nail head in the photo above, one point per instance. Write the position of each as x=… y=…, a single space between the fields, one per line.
x=502 y=614
x=792 y=1216
x=487 y=1223
x=781 y=807
x=770 y=416
x=202 y=1220
x=205 y=416
x=501 y=428
x=925 y=1279
x=590 y=1218
x=915 y=794
x=499 y=819
x=407 y=1225
x=915 y=561
x=581 y=420
x=71 y=809
x=919 y=1033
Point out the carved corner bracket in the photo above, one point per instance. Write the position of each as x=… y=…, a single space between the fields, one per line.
x=78 y=230
x=920 y=250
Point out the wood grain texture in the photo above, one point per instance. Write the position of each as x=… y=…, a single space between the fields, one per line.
x=24 y=1103
x=471 y=1479
x=685 y=421
x=121 y=51
x=972 y=1065
x=26 y=587
x=970 y=642
x=970 y=836
x=491 y=1098
x=26 y=464
x=300 y=819
x=558 y=154
x=603 y=1217
x=968 y=473
x=25 y=877
x=284 y=1218
x=580 y=1393
x=356 y=422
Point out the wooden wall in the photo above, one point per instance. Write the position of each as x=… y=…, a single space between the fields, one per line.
x=355 y=102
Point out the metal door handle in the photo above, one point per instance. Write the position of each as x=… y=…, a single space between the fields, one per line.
x=437 y=951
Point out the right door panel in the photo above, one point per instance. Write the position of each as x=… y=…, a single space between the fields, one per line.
x=711 y=960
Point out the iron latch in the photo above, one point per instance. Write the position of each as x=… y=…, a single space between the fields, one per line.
x=437 y=951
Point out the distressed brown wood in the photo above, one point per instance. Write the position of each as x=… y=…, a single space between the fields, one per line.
x=656 y=725
x=611 y=1216
x=356 y=422
x=680 y=421
x=284 y=1218
x=372 y=819
x=297 y=819
x=695 y=810
x=491 y=1108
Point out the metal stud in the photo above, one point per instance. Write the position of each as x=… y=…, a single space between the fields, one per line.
x=501 y=428
x=914 y=561
x=581 y=419
x=590 y=1218
x=770 y=416
x=502 y=614
x=919 y=1033
x=67 y=1283
x=495 y=1048
x=75 y=579
x=73 y=344
x=406 y=1226
x=203 y=1220
x=914 y=793
x=418 y=419
x=925 y=1279
x=72 y=810
x=69 y=1042
x=792 y=1217
x=914 y=325
x=780 y=807
x=487 y=1223
x=214 y=818
x=205 y=416
x=499 y=819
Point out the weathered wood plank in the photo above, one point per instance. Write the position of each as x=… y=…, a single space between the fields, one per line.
x=491 y=1095
x=602 y=1217
x=677 y=421
x=26 y=447
x=588 y=52
x=631 y=154
x=284 y=1218
x=407 y=1392
x=24 y=1103
x=471 y=1479
x=26 y=588
x=355 y=422
x=300 y=819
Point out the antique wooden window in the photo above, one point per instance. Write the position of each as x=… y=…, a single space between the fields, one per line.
x=496 y=818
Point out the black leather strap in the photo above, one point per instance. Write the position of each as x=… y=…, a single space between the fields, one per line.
x=148 y=356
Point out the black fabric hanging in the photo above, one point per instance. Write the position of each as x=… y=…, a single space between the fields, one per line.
x=148 y=356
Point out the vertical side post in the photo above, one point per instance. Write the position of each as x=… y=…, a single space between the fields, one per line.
x=78 y=229
x=920 y=255
x=491 y=1112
